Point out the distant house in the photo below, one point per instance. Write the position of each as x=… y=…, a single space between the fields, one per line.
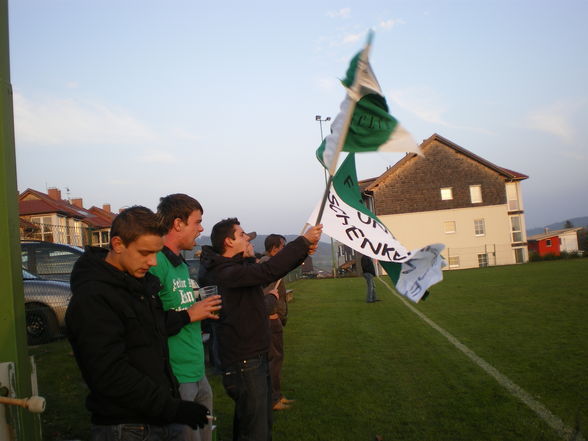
x=47 y=217
x=455 y=197
x=346 y=259
x=307 y=267
x=555 y=242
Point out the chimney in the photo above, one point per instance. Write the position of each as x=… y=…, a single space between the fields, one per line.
x=54 y=193
x=106 y=207
x=546 y=230
x=78 y=202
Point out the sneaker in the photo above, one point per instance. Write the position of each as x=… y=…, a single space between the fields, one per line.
x=280 y=406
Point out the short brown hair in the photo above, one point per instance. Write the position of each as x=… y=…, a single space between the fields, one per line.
x=176 y=206
x=222 y=230
x=133 y=222
x=273 y=241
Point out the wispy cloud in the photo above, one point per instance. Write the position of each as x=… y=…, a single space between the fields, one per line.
x=341 y=13
x=119 y=182
x=70 y=122
x=355 y=33
x=352 y=38
x=389 y=24
x=553 y=119
x=422 y=102
x=158 y=157
x=426 y=104
x=575 y=155
x=185 y=135
x=328 y=84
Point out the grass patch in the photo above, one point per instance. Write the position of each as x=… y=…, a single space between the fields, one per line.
x=357 y=369
x=60 y=382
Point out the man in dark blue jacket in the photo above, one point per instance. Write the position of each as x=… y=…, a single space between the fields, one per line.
x=243 y=328
x=118 y=331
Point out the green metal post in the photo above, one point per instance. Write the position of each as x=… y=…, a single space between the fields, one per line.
x=13 y=342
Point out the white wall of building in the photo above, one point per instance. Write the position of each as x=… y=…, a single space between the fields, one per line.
x=466 y=247
x=569 y=242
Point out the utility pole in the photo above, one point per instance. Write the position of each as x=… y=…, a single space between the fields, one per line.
x=320 y=120
x=15 y=364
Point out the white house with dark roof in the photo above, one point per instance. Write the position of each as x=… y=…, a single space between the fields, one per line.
x=454 y=197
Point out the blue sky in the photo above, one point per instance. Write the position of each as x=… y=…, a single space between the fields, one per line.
x=125 y=101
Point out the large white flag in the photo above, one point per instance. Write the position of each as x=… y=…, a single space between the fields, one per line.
x=348 y=220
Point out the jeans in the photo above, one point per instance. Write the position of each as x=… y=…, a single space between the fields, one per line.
x=371 y=290
x=276 y=358
x=136 y=432
x=248 y=384
x=201 y=393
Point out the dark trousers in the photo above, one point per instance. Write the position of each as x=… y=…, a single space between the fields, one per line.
x=136 y=432
x=371 y=289
x=248 y=384
x=276 y=358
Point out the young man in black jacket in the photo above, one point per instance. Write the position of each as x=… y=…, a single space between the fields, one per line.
x=369 y=272
x=274 y=243
x=243 y=328
x=118 y=331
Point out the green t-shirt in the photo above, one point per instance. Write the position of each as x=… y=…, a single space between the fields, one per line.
x=186 y=352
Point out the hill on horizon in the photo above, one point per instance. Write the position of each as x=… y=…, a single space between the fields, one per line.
x=321 y=259
x=576 y=222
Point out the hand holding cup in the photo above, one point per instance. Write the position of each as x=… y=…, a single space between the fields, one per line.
x=207 y=307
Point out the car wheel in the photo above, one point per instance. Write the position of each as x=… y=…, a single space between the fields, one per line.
x=41 y=323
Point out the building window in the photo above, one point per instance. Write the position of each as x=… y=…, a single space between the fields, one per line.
x=516 y=227
x=61 y=230
x=482 y=260
x=449 y=227
x=101 y=239
x=446 y=194
x=512 y=196
x=479 y=227
x=44 y=230
x=453 y=261
x=476 y=194
x=519 y=255
x=548 y=242
x=76 y=233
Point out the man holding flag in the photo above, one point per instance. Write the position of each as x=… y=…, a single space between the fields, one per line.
x=243 y=329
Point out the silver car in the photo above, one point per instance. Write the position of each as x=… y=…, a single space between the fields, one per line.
x=45 y=305
x=53 y=261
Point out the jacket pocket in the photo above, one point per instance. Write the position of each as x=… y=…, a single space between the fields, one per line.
x=137 y=334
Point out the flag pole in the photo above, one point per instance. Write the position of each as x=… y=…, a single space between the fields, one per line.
x=341 y=141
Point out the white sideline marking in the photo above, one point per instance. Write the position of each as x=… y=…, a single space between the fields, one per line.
x=544 y=413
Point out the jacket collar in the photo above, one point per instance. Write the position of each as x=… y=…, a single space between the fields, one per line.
x=174 y=258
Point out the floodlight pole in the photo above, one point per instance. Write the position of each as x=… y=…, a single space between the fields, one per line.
x=320 y=120
x=14 y=351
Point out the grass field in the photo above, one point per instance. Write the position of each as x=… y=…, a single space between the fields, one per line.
x=358 y=370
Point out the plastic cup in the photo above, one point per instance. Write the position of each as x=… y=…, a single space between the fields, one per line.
x=207 y=291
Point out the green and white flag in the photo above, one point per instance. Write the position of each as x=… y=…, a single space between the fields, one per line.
x=413 y=278
x=363 y=123
x=348 y=220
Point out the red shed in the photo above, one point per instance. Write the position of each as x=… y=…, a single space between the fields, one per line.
x=547 y=244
